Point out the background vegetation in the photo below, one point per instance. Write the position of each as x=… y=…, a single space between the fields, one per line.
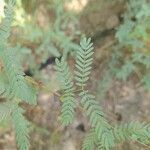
x=38 y=32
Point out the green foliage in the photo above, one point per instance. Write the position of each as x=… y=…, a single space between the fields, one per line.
x=126 y=69
x=133 y=34
x=67 y=111
x=97 y=120
x=15 y=89
x=21 y=128
x=18 y=87
x=5 y=111
x=90 y=140
x=6 y=22
x=135 y=130
x=102 y=135
x=96 y=116
x=52 y=40
x=83 y=62
x=146 y=81
x=13 y=86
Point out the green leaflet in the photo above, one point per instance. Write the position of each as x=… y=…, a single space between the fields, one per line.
x=13 y=86
x=5 y=111
x=89 y=141
x=18 y=87
x=21 y=128
x=83 y=62
x=135 y=130
x=68 y=101
x=102 y=135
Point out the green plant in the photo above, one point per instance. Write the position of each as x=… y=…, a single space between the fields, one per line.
x=102 y=135
x=15 y=90
x=53 y=40
x=13 y=87
x=133 y=37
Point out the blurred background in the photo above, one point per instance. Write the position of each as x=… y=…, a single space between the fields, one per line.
x=43 y=30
